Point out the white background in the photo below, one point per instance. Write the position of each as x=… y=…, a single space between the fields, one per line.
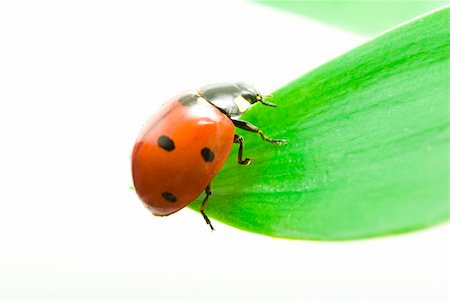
x=78 y=80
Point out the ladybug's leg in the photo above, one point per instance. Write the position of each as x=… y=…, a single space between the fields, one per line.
x=203 y=206
x=240 y=140
x=251 y=128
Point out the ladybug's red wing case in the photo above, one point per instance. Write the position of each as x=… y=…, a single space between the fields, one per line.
x=185 y=144
x=179 y=152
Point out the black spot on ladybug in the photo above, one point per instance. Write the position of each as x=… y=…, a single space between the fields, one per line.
x=166 y=143
x=207 y=154
x=169 y=197
x=188 y=100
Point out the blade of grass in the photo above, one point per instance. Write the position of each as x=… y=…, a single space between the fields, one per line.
x=368 y=151
x=361 y=16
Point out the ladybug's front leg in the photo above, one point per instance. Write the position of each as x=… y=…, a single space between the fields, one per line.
x=208 y=192
x=251 y=128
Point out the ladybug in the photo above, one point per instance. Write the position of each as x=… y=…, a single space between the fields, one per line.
x=185 y=144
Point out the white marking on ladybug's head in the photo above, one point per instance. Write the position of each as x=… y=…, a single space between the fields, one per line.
x=242 y=104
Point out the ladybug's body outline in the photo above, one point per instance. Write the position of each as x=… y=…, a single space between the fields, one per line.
x=185 y=144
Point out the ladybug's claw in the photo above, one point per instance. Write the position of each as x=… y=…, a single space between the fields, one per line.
x=276 y=141
x=247 y=161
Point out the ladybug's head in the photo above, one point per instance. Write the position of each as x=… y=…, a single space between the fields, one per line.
x=252 y=96
x=233 y=98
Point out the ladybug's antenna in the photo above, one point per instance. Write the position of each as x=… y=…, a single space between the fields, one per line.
x=266 y=103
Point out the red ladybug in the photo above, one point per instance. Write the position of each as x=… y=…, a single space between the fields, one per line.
x=185 y=144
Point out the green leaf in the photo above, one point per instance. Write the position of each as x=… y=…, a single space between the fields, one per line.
x=368 y=145
x=362 y=16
